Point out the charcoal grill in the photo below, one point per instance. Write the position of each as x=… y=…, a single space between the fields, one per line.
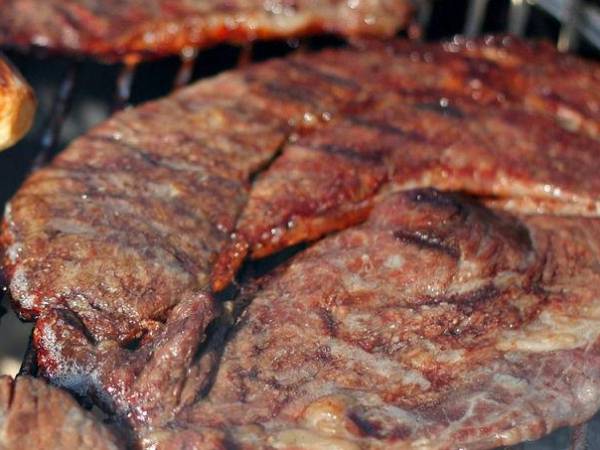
x=77 y=93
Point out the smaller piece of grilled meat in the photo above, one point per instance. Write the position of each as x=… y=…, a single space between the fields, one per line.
x=134 y=29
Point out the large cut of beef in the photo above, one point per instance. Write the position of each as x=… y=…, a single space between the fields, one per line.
x=115 y=29
x=437 y=323
x=433 y=319
x=17 y=105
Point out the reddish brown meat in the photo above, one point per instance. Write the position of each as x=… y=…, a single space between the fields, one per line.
x=129 y=219
x=437 y=323
x=133 y=29
x=472 y=116
x=36 y=415
x=353 y=343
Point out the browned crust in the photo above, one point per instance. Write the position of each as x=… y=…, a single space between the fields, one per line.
x=132 y=30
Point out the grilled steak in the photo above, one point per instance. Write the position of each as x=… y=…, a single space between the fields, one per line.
x=129 y=219
x=438 y=323
x=473 y=116
x=17 y=105
x=117 y=29
x=360 y=339
x=36 y=415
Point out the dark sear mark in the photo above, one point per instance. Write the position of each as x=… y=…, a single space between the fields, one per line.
x=373 y=156
x=442 y=107
x=427 y=241
x=387 y=128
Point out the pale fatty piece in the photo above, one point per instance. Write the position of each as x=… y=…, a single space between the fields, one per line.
x=125 y=29
x=17 y=105
x=443 y=320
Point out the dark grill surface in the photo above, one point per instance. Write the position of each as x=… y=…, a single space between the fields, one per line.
x=84 y=93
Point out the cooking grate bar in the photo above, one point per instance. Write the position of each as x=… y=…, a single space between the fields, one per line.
x=124 y=84
x=186 y=69
x=518 y=15
x=58 y=112
x=475 y=17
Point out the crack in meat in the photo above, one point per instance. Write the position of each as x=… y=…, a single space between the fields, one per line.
x=443 y=320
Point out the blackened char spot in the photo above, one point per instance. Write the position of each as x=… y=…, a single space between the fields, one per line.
x=427 y=241
x=365 y=427
x=441 y=200
x=374 y=156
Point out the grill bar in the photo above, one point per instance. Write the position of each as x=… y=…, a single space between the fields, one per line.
x=518 y=16
x=567 y=40
x=58 y=112
x=475 y=17
x=186 y=69
x=124 y=84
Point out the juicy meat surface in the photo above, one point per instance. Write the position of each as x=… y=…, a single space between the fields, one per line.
x=478 y=302
x=17 y=105
x=130 y=218
x=118 y=29
x=465 y=115
x=34 y=414
x=438 y=322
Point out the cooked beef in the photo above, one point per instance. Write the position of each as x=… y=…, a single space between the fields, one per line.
x=361 y=338
x=438 y=323
x=474 y=116
x=36 y=415
x=328 y=179
x=17 y=105
x=129 y=219
x=125 y=29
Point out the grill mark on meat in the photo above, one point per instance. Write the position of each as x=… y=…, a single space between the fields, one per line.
x=388 y=129
x=152 y=230
x=307 y=68
x=373 y=156
x=155 y=160
x=425 y=240
x=505 y=246
x=444 y=109
x=295 y=93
